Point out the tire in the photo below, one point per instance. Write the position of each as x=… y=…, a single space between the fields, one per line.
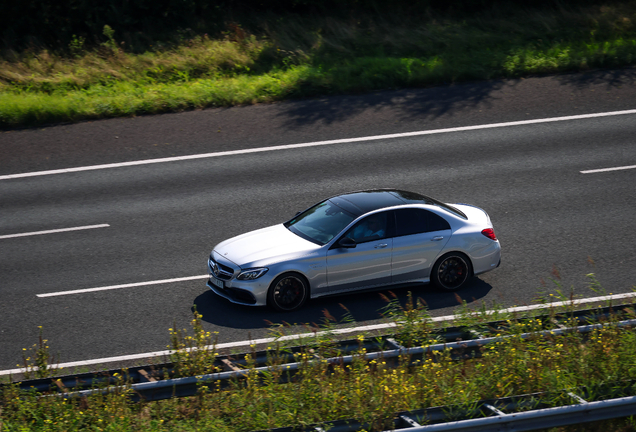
x=452 y=271
x=288 y=292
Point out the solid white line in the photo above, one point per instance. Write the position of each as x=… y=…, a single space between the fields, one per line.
x=314 y=144
x=112 y=287
x=54 y=231
x=631 y=295
x=608 y=169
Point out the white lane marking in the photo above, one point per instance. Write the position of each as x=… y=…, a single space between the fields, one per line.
x=608 y=169
x=314 y=144
x=101 y=361
x=54 y=231
x=130 y=285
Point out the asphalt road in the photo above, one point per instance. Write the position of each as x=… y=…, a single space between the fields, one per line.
x=163 y=219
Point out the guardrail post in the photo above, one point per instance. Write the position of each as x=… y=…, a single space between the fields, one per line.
x=494 y=409
x=395 y=344
x=577 y=398
x=409 y=421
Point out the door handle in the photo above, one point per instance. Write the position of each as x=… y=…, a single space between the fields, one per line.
x=380 y=246
x=438 y=238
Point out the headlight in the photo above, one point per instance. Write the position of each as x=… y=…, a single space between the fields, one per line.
x=252 y=274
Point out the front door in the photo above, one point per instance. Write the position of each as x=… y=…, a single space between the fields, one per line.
x=366 y=265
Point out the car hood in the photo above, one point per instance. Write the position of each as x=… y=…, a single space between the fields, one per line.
x=264 y=247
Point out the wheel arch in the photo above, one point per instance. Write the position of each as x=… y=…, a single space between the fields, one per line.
x=281 y=275
x=435 y=271
x=455 y=251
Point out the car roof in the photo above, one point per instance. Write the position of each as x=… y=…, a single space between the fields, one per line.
x=361 y=202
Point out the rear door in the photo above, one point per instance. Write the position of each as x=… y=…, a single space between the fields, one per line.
x=420 y=236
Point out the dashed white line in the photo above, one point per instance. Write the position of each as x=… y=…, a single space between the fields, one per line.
x=130 y=285
x=314 y=144
x=608 y=169
x=305 y=336
x=54 y=231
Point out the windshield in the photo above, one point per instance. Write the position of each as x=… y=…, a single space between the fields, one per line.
x=320 y=223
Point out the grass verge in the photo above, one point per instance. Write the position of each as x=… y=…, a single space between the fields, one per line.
x=369 y=390
x=303 y=56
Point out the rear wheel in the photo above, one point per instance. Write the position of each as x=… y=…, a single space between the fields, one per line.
x=288 y=292
x=451 y=271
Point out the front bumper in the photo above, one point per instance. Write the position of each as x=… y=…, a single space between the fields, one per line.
x=249 y=293
x=235 y=295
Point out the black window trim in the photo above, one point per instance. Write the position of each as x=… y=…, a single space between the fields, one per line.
x=428 y=216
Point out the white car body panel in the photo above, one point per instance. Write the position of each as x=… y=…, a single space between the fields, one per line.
x=264 y=247
x=334 y=270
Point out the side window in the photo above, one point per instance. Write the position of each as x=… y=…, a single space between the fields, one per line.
x=417 y=221
x=436 y=222
x=371 y=228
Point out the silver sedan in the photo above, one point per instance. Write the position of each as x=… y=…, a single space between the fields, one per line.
x=352 y=242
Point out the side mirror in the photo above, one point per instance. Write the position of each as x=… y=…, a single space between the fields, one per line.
x=347 y=243
x=297 y=214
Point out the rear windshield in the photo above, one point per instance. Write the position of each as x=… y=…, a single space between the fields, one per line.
x=415 y=198
x=450 y=208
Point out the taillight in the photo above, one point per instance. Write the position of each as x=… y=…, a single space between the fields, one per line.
x=490 y=233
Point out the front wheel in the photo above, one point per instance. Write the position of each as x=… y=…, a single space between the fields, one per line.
x=288 y=292
x=451 y=271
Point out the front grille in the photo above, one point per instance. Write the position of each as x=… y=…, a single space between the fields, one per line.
x=225 y=268
x=224 y=272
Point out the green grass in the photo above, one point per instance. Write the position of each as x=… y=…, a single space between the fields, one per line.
x=369 y=391
x=281 y=57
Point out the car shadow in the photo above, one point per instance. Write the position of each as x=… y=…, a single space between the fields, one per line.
x=361 y=307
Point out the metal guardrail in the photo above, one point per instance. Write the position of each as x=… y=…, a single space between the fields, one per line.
x=189 y=386
x=525 y=412
x=516 y=413
x=154 y=382
x=540 y=419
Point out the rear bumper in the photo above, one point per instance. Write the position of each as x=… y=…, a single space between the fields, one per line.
x=486 y=259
